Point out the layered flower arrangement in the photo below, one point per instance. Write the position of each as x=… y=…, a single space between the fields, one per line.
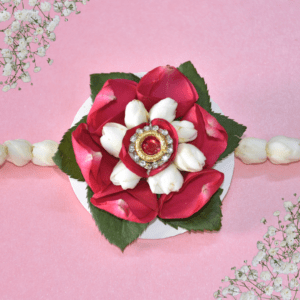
x=147 y=149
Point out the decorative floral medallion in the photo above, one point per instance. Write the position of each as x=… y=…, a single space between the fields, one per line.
x=146 y=150
x=151 y=147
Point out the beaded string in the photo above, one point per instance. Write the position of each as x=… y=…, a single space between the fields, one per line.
x=20 y=152
x=279 y=150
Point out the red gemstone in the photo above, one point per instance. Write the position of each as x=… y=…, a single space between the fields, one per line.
x=151 y=145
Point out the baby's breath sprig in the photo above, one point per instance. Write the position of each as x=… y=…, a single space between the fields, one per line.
x=273 y=273
x=29 y=35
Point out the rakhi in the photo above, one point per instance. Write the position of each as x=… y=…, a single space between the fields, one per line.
x=147 y=152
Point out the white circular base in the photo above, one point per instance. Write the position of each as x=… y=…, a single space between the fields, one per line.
x=156 y=229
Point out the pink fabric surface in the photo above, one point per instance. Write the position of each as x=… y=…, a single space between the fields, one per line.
x=248 y=52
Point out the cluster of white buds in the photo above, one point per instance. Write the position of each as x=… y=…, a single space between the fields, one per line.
x=27 y=35
x=21 y=152
x=279 y=150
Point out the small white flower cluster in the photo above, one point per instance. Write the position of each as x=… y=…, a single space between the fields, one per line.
x=28 y=35
x=279 y=150
x=277 y=261
x=188 y=158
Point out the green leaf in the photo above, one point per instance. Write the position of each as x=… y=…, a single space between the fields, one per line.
x=97 y=81
x=117 y=231
x=207 y=218
x=64 y=158
x=57 y=159
x=234 y=131
x=191 y=73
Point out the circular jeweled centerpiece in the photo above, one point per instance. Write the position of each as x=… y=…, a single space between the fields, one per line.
x=151 y=147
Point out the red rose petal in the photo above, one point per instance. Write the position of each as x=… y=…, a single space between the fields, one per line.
x=212 y=137
x=110 y=101
x=196 y=191
x=90 y=158
x=135 y=205
x=163 y=82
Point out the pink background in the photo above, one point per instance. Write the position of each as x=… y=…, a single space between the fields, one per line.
x=248 y=52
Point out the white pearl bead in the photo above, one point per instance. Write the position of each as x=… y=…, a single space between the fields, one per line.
x=251 y=151
x=43 y=152
x=283 y=150
x=19 y=152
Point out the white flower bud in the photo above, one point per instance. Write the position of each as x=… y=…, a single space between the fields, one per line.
x=276 y=213
x=4 y=15
x=32 y=2
x=189 y=158
x=36 y=69
x=135 y=114
x=15 y=26
x=164 y=109
x=52 y=36
x=269 y=290
x=70 y=5
x=296 y=257
x=293 y=283
x=286 y=294
x=251 y=151
x=57 y=6
x=185 y=130
x=19 y=152
x=288 y=205
x=167 y=181
x=3 y=154
x=67 y=12
x=124 y=177
x=45 y=6
x=112 y=136
x=248 y=296
x=41 y=51
x=14 y=85
x=6 y=88
x=26 y=77
x=283 y=150
x=8 y=40
x=265 y=275
x=26 y=66
x=8 y=32
x=43 y=152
